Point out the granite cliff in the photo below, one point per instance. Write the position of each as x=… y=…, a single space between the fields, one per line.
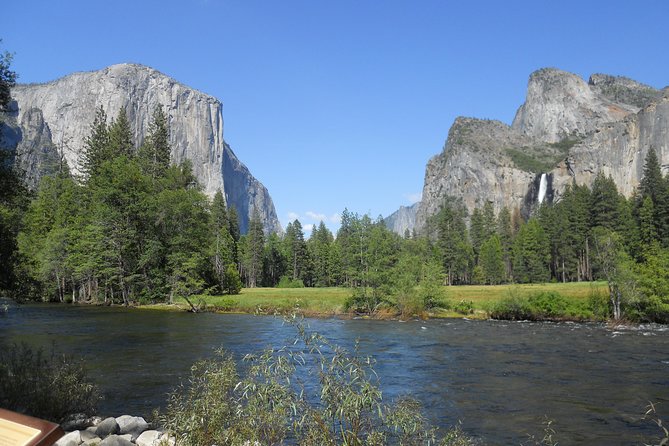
x=402 y=220
x=48 y=122
x=567 y=130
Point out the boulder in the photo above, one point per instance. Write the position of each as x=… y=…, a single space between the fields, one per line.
x=149 y=438
x=108 y=426
x=89 y=434
x=116 y=440
x=133 y=426
x=71 y=439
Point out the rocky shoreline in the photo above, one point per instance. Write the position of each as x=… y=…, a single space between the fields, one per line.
x=125 y=430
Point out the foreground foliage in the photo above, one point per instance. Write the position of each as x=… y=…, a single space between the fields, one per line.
x=270 y=399
x=48 y=386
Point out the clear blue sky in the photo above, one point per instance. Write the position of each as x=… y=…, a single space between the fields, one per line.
x=335 y=104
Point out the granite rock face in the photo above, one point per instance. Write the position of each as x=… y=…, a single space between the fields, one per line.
x=57 y=115
x=561 y=104
x=567 y=130
x=403 y=219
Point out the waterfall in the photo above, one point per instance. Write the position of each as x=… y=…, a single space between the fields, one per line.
x=542 y=188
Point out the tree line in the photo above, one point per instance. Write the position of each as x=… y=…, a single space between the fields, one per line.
x=134 y=227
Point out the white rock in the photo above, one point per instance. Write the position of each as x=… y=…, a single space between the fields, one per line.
x=149 y=438
x=71 y=439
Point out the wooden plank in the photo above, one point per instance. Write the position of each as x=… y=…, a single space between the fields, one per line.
x=22 y=430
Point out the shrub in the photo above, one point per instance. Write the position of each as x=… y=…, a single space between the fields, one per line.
x=598 y=304
x=44 y=386
x=232 y=284
x=287 y=282
x=548 y=305
x=464 y=307
x=268 y=403
x=512 y=307
x=364 y=300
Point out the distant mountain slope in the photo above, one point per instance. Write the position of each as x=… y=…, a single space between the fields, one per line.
x=56 y=116
x=402 y=219
x=567 y=130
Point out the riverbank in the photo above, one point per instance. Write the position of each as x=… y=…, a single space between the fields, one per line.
x=577 y=301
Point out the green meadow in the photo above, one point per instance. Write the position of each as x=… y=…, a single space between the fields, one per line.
x=324 y=302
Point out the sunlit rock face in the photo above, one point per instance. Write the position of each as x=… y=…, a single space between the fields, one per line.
x=67 y=107
x=402 y=220
x=567 y=128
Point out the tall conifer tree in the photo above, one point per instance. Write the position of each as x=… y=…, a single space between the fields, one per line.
x=120 y=136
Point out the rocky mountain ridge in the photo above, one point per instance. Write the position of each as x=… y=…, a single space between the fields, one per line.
x=50 y=121
x=567 y=130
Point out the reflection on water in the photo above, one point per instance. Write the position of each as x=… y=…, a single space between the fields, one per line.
x=500 y=379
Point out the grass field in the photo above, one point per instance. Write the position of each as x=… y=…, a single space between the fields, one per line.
x=483 y=297
x=330 y=301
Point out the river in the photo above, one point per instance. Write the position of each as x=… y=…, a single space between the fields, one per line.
x=500 y=379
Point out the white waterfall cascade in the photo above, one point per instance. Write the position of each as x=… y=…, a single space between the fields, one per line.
x=542 y=188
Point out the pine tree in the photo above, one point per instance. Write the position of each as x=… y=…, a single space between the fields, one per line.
x=296 y=249
x=453 y=241
x=155 y=152
x=531 y=253
x=320 y=243
x=13 y=204
x=120 y=136
x=253 y=259
x=476 y=231
x=647 y=227
x=655 y=187
x=233 y=226
x=222 y=245
x=274 y=261
x=96 y=145
x=505 y=232
x=604 y=202
x=492 y=261
x=7 y=79
x=489 y=220
x=652 y=182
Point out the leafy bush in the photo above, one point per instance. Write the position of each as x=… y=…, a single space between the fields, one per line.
x=548 y=305
x=287 y=282
x=512 y=307
x=232 y=284
x=464 y=307
x=268 y=403
x=364 y=300
x=598 y=304
x=44 y=386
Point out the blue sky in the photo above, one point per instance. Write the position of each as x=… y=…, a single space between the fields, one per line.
x=335 y=104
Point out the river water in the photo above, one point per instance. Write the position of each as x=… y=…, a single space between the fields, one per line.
x=500 y=379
